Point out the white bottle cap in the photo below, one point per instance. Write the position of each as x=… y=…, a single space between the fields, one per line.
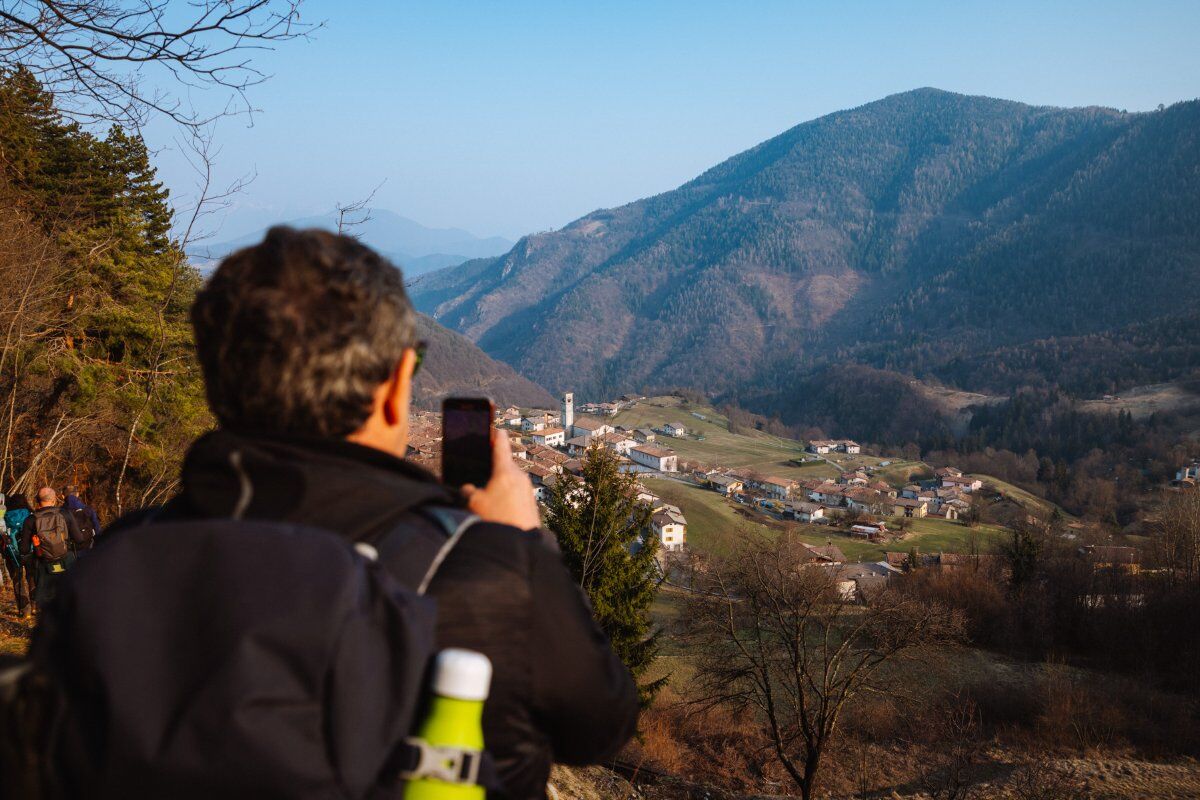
x=462 y=674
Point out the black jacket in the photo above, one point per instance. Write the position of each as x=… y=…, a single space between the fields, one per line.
x=559 y=693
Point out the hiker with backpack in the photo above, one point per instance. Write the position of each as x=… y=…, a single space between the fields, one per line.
x=21 y=572
x=268 y=632
x=85 y=517
x=49 y=537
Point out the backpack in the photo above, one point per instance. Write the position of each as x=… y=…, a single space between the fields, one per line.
x=83 y=518
x=50 y=528
x=233 y=659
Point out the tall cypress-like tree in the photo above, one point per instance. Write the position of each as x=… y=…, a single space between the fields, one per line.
x=603 y=532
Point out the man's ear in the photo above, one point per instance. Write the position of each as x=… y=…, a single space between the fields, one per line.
x=399 y=389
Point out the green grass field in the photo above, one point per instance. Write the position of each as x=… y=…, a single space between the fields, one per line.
x=1030 y=501
x=756 y=450
x=713 y=524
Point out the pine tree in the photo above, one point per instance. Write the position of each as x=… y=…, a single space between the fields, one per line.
x=603 y=532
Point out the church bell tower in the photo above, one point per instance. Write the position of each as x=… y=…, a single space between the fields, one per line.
x=568 y=413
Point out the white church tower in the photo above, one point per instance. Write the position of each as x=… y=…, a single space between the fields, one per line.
x=568 y=413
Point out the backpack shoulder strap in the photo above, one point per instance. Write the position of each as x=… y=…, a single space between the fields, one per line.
x=454 y=522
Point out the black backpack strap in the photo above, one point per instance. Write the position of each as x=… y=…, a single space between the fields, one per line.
x=455 y=522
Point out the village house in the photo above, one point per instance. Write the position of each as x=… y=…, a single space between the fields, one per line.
x=828 y=554
x=946 y=512
x=829 y=494
x=1189 y=473
x=647 y=497
x=857 y=478
x=675 y=429
x=775 y=488
x=654 y=457
x=670 y=526
x=531 y=424
x=547 y=455
x=848 y=446
x=617 y=442
x=644 y=435
x=855 y=582
x=518 y=449
x=908 y=507
x=910 y=491
x=726 y=484
x=964 y=483
x=868 y=501
x=947 y=472
x=807 y=512
x=549 y=437
x=588 y=428
x=884 y=489
x=578 y=445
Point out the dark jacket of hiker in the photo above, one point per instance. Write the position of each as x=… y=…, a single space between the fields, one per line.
x=74 y=505
x=559 y=693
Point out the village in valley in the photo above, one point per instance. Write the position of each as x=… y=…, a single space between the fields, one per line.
x=864 y=515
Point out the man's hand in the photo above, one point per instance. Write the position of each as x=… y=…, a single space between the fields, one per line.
x=508 y=496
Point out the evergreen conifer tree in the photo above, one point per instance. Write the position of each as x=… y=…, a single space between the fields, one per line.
x=604 y=534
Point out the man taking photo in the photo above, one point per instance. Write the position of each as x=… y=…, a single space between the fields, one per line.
x=308 y=351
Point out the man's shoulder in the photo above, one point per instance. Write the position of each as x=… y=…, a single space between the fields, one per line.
x=504 y=545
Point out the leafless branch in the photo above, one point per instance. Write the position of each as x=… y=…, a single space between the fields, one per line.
x=107 y=60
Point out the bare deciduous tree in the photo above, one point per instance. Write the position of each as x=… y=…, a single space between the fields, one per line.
x=1177 y=534
x=774 y=636
x=107 y=60
x=352 y=215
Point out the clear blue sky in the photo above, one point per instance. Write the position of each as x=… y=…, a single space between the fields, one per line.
x=511 y=117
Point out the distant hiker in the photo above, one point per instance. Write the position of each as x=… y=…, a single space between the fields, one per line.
x=85 y=516
x=194 y=646
x=46 y=537
x=21 y=572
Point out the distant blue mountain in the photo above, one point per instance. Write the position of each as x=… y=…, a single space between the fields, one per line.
x=413 y=246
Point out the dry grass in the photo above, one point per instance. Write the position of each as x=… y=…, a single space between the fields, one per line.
x=14 y=632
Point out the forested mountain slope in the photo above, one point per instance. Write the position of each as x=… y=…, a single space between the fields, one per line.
x=455 y=366
x=917 y=233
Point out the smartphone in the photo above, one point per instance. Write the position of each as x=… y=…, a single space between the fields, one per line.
x=467 y=440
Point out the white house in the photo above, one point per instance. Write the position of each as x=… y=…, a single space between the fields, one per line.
x=659 y=458
x=808 y=512
x=590 y=427
x=530 y=424
x=670 y=526
x=849 y=446
x=821 y=446
x=964 y=482
x=829 y=494
x=675 y=429
x=550 y=437
x=617 y=442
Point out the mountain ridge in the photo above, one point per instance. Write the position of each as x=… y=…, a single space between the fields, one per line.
x=417 y=248
x=949 y=223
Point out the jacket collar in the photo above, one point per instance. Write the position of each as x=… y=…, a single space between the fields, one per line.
x=328 y=483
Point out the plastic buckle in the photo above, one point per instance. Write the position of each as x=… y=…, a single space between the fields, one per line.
x=446 y=764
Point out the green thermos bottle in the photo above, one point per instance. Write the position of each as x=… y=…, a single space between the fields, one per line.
x=451 y=737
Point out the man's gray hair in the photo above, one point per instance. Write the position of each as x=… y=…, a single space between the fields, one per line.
x=295 y=334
